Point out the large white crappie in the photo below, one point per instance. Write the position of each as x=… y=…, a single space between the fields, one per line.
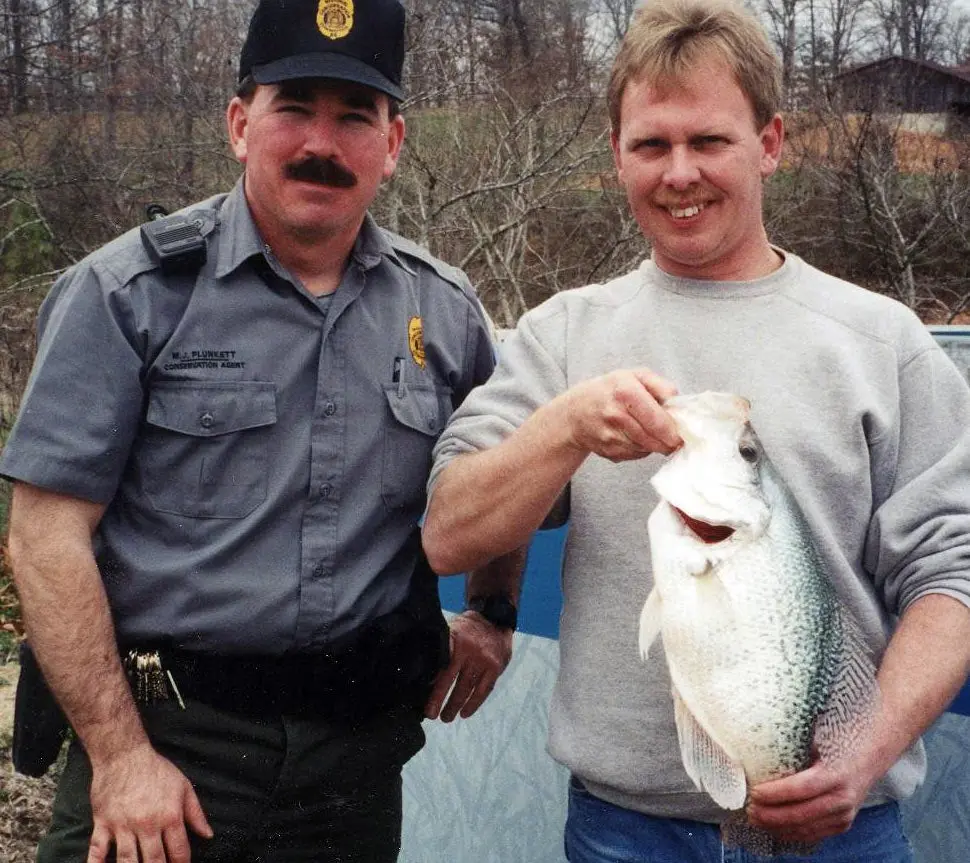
x=764 y=660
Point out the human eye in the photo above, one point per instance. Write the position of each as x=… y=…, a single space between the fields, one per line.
x=650 y=146
x=709 y=142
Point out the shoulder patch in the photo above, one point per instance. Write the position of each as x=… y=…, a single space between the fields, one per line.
x=411 y=251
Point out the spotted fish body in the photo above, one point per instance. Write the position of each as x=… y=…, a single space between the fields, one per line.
x=764 y=660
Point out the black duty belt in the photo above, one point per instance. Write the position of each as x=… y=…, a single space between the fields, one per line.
x=391 y=662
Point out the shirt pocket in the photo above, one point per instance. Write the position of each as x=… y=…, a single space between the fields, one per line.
x=205 y=451
x=417 y=416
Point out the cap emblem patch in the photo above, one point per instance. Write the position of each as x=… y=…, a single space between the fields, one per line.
x=416 y=340
x=335 y=18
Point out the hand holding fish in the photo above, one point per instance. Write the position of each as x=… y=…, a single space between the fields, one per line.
x=922 y=669
x=619 y=416
x=813 y=804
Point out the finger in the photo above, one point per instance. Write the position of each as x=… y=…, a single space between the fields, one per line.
x=799 y=787
x=629 y=435
x=195 y=814
x=659 y=387
x=443 y=681
x=442 y=686
x=781 y=818
x=819 y=811
x=477 y=697
x=459 y=695
x=126 y=847
x=653 y=423
x=100 y=844
x=177 y=844
x=152 y=850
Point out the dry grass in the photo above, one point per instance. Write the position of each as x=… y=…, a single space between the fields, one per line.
x=915 y=152
x=25 y=810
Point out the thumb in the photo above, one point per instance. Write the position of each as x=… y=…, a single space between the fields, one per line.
x=194 y=816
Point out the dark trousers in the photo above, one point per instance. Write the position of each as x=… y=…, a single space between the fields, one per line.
x=276 y=789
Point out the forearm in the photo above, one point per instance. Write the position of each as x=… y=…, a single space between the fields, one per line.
x=489 y=503
x=500 y=576
x=69 y=622
x=924 y=666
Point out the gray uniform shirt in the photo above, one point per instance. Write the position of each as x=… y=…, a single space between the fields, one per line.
x=262 y=456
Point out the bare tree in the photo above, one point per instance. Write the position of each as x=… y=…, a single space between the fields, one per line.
x=878 y=204
x=840 y=27
x=955 y=49
x=17 y=17
x=914 y=29
x=618 y=14
x=783 y=17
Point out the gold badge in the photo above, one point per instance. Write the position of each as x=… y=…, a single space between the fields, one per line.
x=416 y=340
x=335 y=18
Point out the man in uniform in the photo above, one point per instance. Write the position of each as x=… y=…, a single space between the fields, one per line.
x=219 y=469
x=862 y=414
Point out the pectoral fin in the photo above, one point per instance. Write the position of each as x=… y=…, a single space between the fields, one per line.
x=707 y=764
x=650 y=618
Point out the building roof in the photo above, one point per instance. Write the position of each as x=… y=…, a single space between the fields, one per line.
x=962 y=73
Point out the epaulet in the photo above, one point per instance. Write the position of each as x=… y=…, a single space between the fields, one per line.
x=412 y=252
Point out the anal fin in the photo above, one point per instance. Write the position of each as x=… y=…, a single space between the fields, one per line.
x=706 y=762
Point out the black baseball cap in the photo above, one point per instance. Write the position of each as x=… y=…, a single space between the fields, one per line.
x=351 y=40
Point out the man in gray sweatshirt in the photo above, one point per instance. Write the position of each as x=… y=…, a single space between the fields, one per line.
x=861 y=413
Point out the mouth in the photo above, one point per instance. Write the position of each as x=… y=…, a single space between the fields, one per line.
x=688 y=212
x=707 y=533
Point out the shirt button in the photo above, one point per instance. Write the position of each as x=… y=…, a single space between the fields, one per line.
x=326 y=490
x=330 y=409
x=206 y=420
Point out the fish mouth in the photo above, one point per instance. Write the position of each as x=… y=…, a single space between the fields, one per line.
x=705 y=532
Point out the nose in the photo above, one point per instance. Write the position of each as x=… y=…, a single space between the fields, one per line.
x=320 y=138
x=681 y=170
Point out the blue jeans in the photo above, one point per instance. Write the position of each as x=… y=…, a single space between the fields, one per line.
x=599 y=832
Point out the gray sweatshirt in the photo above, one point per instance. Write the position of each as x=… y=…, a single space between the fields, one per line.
x=863 y=415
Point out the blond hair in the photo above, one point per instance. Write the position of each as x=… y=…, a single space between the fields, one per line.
x=667 y=39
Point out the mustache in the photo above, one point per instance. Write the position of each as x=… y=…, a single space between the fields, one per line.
x=325 y=172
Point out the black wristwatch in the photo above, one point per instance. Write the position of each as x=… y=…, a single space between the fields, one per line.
x=498 y=609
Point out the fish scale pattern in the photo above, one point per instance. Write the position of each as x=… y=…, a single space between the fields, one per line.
x=762 y=654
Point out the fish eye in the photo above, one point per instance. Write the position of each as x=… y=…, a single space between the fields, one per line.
x=749 y=452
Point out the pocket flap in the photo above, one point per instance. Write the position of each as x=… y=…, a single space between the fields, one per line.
x=423 y=409
x=212 y=408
